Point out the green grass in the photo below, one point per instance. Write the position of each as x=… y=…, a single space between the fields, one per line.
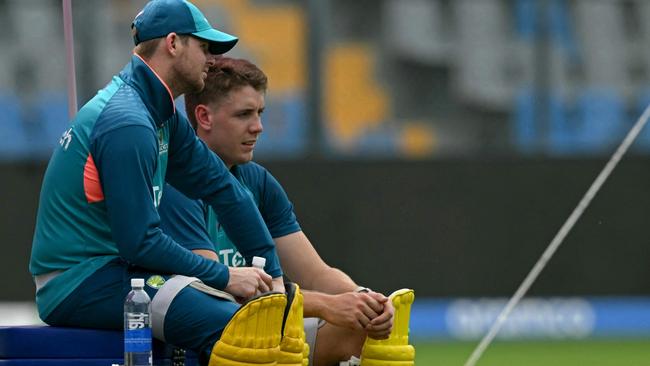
x=542 y=353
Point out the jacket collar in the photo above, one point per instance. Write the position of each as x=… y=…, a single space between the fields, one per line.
x=153 y=90
x=235 y=171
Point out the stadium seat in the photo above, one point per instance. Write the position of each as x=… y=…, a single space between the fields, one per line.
x=593 y=124
x=53 y=346
x=601 y=118
x=51 y=114
x=525 y=19
x=418 y=30
x=380 y=141
x=355 y=101
x=284 y=127
x=482 y=54
x=643 y=141
x=417 y=139
x=525 y=132
x=532 y=135
x=15 y=144
x=561 y=126
x=601 y=28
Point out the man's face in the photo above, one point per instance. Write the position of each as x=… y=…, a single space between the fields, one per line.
x=236 y=125
x=192 y=65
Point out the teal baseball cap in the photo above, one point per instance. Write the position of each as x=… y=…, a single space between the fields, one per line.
x=160 y=17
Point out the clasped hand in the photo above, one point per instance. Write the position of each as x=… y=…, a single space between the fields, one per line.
x=372 y=312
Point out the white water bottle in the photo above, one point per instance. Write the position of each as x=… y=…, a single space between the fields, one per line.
x=137 y=326
x=259 y=262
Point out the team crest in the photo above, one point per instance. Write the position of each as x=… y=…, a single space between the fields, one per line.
x=155 y=282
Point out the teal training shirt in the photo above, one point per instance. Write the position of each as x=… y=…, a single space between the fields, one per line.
x=103 y=184
x=195 y=225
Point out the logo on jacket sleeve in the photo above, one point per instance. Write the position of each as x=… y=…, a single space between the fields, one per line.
x=65 y=139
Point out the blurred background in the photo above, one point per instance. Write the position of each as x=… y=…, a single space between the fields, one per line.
x=431 y=144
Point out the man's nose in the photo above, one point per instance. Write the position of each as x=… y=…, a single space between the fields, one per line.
x=256 y=126
x=211 y=60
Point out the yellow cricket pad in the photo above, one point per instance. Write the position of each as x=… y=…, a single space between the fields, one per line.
x=294 y=350
x=396 y=350
x=252 y=336
x=305 y=354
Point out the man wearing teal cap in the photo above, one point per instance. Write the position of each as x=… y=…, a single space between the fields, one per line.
x=97 y=224
x=160 y=18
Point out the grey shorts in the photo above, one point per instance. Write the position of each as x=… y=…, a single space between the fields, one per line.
x=311 y=330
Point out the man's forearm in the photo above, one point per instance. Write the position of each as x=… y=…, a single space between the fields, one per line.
x=315 y=303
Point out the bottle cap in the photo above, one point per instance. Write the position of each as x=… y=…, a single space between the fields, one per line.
x=259 y=262
x=137 y=282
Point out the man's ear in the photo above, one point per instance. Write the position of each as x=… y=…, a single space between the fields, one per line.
x=171 y=43
x=202 y=114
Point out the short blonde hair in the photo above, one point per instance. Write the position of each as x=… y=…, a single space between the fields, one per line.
x=146 y=49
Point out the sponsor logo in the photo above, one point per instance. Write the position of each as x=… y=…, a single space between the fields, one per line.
x=532 y=318
x=162 y=145
x=137 y=320
x=236 y=260
x=157 y=195
x=155 y=282
x=65 y=139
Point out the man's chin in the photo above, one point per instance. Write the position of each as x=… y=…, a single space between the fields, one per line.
x=245 y=159
x=198 y=87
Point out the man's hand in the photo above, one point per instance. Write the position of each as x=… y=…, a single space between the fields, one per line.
x=278 y=285
x=352 y=310
x=381 y=326
x=246 y=282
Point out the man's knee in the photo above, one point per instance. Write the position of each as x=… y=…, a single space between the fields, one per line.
x=189 y=318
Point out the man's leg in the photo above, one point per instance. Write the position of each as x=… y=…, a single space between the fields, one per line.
x=196 y=319
x=334 y=344
x=222 y=332
x=329 y=350
x=192 y=319
x=99 y=301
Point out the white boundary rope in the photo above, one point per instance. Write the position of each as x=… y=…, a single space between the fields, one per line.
x=559 y=237
x=69 y=55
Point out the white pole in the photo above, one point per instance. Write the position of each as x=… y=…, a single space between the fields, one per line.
x=69 y=53
x=559 y=237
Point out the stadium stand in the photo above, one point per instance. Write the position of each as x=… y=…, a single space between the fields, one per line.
x=585 y=59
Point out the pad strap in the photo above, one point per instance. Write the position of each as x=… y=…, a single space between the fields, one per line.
x=163 y=299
